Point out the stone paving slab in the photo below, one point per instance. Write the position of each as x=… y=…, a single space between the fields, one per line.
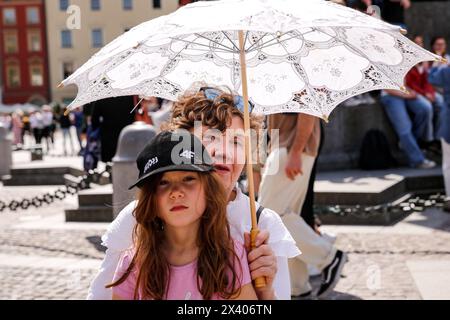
x=26 y=283
x=34 y=261
x=367 y=181
x=80 y=244
x=362 y=187
x=432 y=277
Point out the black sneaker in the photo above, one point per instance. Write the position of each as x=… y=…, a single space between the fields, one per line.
x=332 y=273
x=447 y=205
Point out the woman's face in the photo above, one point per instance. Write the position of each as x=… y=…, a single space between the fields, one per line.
x=181 y=198
x=419 y=40
x=227 y=149
x=440 y=46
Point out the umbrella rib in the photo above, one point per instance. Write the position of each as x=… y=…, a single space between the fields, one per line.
x=213 y=41
x=248 y=50
x=245 y=40
x=176 y=54
x=265 y=45
x=279 y=42
x=201 y=45
x=234 y=45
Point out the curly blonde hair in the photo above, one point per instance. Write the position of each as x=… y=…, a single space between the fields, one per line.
x=216 y=114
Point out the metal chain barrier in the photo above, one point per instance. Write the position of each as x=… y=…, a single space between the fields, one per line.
x=416 y=203
x=92 y=176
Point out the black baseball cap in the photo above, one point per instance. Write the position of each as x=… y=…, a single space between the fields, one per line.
x=172 y=151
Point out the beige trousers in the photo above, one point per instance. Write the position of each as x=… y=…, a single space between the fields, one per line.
x=286 y=197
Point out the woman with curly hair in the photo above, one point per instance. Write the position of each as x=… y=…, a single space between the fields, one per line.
x=218 y=113
x=182 y=247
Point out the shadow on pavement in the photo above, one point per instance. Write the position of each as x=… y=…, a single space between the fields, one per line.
x=96 y=241
x=336 y=295
x=436 y=219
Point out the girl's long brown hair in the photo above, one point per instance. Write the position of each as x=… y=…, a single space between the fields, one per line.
x=216 y=263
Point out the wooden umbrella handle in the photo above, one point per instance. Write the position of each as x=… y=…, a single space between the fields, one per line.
x=259 y=282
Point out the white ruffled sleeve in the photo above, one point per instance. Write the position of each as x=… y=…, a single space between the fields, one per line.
x=119 y=235
x=280 y=239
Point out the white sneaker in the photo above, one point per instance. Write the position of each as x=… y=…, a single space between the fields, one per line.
x=426 y=164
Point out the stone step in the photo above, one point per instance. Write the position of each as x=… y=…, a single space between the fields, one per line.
x=75 y=179
x=99 y=196
x=45 y=176
x=71 y=180
x=41 y=170
x=34 y=180
x=90 y=214
x=373 y=187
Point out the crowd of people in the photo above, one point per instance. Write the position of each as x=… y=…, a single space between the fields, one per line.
x=91 y=131
x=38 y=127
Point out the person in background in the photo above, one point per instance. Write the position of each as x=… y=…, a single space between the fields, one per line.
x=47 y=116
x=26 y=130
x=393 y=11
x=440 y=76
x=65 y=123
x=439 y=47
x=142 y=112
x=162 y=114
x=37 y=126
x=79 y=124
x=283 y=188
x=417 y=80
x=17 y=128
x=92 y=150
x=411 y=119
x=111 y=115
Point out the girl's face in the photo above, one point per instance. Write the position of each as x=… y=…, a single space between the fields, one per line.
x=227 y=151
x=181 y=198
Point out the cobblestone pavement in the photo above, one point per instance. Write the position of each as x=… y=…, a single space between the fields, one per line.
x=42 y=257
x=379 y=259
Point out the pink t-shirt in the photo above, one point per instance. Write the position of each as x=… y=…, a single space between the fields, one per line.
x=183 y=279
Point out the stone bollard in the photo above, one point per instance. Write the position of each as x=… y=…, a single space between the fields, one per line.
x=5 y=151
x=132 y=140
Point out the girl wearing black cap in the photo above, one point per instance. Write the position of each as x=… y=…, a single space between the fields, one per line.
x=182 y=244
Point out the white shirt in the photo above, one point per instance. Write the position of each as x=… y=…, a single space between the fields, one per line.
x=118 y=238
x=47 y=118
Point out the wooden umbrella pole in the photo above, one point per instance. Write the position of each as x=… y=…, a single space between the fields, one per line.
x=261 y=281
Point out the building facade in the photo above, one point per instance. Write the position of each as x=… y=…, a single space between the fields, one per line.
x=77 y=29
x=23 y=52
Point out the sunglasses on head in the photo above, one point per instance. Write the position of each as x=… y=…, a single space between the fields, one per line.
x=212 y=94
